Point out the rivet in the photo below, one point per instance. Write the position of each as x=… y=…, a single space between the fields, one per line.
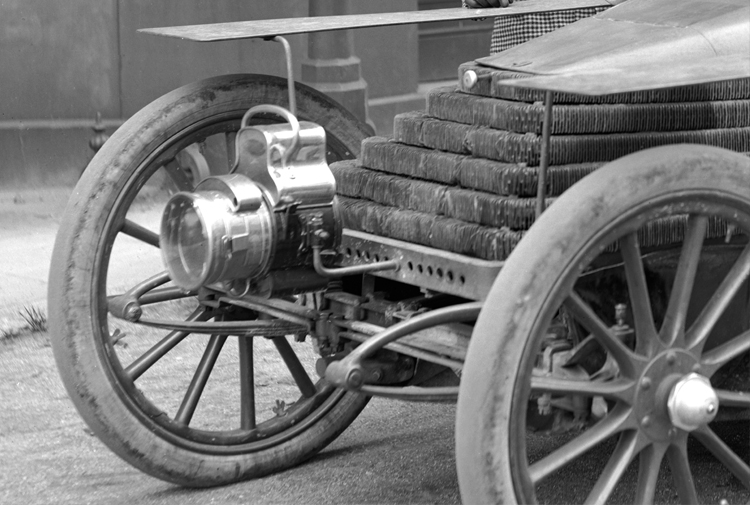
x=710 y=408
x=671 y=358
x=646 y=421
x=696 y=368
x=645 y=383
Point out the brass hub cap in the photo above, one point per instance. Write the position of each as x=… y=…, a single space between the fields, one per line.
x=692 y=402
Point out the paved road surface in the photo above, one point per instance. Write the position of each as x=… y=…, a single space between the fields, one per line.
x=28 y=222
x=394 y=453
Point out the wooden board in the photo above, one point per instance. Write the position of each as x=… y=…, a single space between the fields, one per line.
x=290 y=26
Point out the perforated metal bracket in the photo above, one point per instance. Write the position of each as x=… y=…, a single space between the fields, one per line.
x=421 y=266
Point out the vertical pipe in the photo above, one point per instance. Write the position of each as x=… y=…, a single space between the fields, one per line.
x=541 y=189
x=289 y=74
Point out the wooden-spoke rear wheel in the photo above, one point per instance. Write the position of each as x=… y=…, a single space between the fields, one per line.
x=664 y=232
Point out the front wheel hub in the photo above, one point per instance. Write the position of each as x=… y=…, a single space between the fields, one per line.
x=692 y=402
x=654 y=388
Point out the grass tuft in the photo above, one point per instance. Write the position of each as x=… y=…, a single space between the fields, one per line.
x=36 y=320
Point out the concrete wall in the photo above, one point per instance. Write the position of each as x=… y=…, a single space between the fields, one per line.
x=59 y=64
x=59 y=59
x=65 y=60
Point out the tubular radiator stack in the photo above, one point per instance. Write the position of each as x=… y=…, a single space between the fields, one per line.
x=462 y=175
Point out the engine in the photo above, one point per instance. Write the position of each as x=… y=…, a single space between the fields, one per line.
x=276 y=203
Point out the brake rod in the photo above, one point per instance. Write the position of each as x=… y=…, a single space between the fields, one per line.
x=349 y=373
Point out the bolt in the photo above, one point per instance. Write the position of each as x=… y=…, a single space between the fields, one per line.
x=322 y=234
x=697 y=368
x=620 y=311
x=671 y=358
x=646 y=421
x=710 y=408
x=645 y=383
x=356 y=379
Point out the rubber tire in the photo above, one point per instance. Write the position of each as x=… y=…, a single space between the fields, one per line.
x=528 y=290
x=75 y=305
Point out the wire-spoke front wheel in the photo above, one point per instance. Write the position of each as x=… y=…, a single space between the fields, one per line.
x=631 y=400
x=185 y=398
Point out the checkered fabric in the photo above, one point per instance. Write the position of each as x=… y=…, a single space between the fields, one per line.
x=511 y=31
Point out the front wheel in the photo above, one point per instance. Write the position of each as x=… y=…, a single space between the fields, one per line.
x=635 y=409
x=186 y=406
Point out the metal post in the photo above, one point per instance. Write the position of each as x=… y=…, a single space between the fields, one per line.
x=541 y=190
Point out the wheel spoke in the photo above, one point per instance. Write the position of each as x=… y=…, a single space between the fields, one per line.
x=178 y=175
x=682 y=477
x=247 y=384
x=629 y=362
x=150 y=357
x=200 y=378
x=601 y=431
x=139 y=232
x=682 y=289
x=640 y=301
x=698 y=333
x=304 y=383
x=618 y=390
x=140 y=365
x=627 y=448
x=723 y=453
x=739 y=399
x=720 y=355
x=648 y=473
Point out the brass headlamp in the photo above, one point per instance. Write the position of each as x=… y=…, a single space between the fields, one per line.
x=260 y=217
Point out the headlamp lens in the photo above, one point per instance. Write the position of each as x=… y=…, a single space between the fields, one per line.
x=185 y=241
x=222 y=231
x=192 y=242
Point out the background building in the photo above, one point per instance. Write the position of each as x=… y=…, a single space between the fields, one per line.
x=65 y=61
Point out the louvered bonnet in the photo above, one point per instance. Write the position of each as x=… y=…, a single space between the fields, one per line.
x=462 y=175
